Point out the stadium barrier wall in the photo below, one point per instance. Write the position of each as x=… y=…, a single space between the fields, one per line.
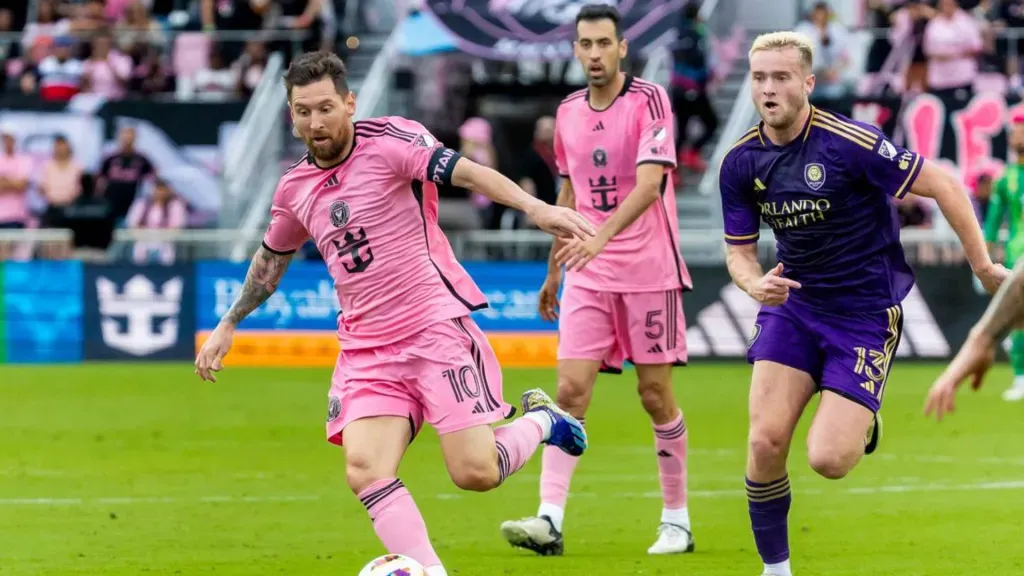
x=60 y=312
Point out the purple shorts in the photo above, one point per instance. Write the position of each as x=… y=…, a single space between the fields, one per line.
x=849 y=354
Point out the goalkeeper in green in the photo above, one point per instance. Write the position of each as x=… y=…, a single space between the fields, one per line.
x=1007 y=202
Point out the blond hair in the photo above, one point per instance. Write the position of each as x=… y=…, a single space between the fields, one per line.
x=784 y=40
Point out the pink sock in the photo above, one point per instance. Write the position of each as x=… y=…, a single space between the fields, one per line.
x=556 y=474
x=397 y=521
x=516 y=443
x=670 y=442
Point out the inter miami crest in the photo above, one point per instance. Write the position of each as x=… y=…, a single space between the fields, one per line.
x=814 y=175
x=339 y=214
x=334 y=409
x=600 y=158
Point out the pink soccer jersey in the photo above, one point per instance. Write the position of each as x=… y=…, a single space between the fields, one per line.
x=374 y=219
x=599 y=152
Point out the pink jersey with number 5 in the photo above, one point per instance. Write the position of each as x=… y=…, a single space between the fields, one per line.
x=374 y=219
x=599 y=152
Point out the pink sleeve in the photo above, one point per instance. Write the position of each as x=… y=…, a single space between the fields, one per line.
x=973 y=40
x=657 y=131
x=285 y=234
x=177 y=214
x=933 y=46
x=134 y=217
x=563 y=167
x=413 y=152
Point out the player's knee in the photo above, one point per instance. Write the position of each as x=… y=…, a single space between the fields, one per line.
x=830 y=463
x=656 y=398
x=475 y=475
x=767 y=450
x=360 y=472
x=572 y=395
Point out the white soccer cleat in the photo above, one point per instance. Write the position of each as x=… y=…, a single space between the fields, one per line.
x=535 y=534
x=1014 y=393
x=672 y=539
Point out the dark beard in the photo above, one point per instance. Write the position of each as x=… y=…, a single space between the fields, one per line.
x=328 y=154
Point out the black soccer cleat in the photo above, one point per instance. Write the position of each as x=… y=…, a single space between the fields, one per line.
x=874 y=435
x=536 y=534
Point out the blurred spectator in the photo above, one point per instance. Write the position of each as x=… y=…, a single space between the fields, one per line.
x=153 y=75
x=477 y=144
x=9 y=48
x=107 y=71
x=691 y=74
x=46 y=28
x=88 y=16
x=163 y=211
x=831 y=43
x=538 y=172
x=879 y=14
x=61 y=183
x=912 y=212
x=28 y=81
x=60 y=73
x=233 y=15
x=302 y=15
x=137 y=32
x=251 y=66
x=15 y=170
x=218 y=80
x=952 y=42
x=120 y=174
x=982 y=192
x=909 y=24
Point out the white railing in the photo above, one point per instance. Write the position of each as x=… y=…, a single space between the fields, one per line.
x=253 y=162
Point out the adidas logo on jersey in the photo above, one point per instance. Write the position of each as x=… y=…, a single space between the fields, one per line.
x=656 y=349
x=599 y=127
x=332 y=182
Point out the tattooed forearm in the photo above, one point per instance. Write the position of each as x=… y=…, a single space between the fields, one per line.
x=1006 y=309
x=264 y=275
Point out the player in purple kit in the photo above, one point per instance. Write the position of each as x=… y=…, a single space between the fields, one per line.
x=366 y=194
x=831 y=315
x=615 y=149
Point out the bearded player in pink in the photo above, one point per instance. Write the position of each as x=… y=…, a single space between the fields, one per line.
x=366 y=193
x=614 y=146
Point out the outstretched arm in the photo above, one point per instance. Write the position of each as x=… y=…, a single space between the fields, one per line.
x=934 y=182
x=262 y=279
x=566 y=199
x=1006 y=310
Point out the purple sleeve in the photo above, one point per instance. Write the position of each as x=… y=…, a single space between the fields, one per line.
x=886 y=167
x=739 y=203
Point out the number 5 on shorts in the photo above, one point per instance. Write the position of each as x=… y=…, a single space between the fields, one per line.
x=657 y=325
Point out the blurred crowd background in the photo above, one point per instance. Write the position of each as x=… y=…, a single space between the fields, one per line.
x=179 y=63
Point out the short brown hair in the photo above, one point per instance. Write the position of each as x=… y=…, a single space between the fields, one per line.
x=315 y=66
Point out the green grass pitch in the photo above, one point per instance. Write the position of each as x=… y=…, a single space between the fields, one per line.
x=113 y=469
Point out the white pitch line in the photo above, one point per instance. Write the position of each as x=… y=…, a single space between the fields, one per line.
x=860 y=490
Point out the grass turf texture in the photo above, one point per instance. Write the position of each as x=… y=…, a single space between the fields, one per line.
x=141 y=469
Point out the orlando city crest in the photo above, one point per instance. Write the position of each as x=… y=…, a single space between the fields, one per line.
x=753 y=335
x=339 y=213
x=814 y=175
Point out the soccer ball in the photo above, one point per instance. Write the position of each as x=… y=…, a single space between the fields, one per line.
x=393 y=565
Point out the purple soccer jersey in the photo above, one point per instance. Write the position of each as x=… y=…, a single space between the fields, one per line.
x=827 y=197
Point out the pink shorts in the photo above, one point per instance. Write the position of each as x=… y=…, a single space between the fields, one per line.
x=613 y=327
x=447 y=374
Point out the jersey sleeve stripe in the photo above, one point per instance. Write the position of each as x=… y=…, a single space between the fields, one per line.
x=380 y=123
x=906 y=183
x=367 y=133
x=850 y=125
x=278 y=252
x=844 y=135
x=745 y=239
x=297 y=163
x=653 y=102
x=575 y=95
x=753 y=133
x=845 y=126
x=870 y=140
x=652 y=93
